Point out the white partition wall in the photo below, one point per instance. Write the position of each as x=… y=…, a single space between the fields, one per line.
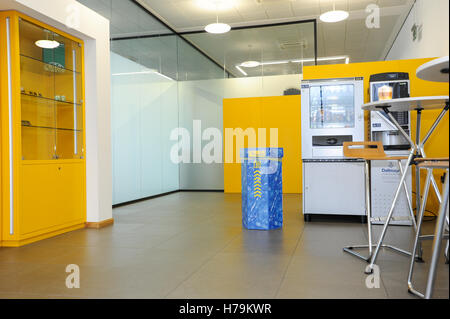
x=144 y=112
x=201 y=101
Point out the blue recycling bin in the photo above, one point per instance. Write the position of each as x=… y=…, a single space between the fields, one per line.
x=262 y=188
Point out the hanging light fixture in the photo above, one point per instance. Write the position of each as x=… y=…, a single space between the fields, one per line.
x=217 y=28
x=334 y=15
x=250 y=63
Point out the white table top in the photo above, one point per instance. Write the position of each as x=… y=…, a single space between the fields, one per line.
x=433 y=70
x=408 y=104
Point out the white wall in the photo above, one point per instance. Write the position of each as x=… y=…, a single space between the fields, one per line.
x=144 y=112
x=433 y=16
x=94 y=30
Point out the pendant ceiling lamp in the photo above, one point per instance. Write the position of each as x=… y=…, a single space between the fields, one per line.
x=217 y=28
x=250 y=63
x=334 y=15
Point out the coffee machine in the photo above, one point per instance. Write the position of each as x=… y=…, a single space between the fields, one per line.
x=389 y=86
x=385 y=175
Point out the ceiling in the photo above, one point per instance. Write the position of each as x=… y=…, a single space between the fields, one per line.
x=347 y=38
x=350 y=37
x=275 y=47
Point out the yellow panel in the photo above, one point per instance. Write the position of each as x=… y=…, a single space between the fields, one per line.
x=282 y=112
x=51 y=195
x=238 y=113
x=438 y=144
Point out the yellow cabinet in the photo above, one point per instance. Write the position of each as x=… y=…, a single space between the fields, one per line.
x=42 y=131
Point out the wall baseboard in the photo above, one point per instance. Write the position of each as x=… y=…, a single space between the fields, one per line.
x=143 y=199
x=101 y=224
x=203 y=190
x=165 y=194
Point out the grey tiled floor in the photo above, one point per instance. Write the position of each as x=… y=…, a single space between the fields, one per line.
x=192 y=245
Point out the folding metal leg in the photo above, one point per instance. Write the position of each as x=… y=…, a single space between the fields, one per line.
x=417 y=239
x=350 y=249
x=408 y=199
x=437 y=238
x=389 y=217
x=411 y=213
x=438 y=235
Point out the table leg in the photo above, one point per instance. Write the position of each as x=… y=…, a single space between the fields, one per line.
x=417 y=177
x=391 y=212
x=437 y=240
x=417 y=241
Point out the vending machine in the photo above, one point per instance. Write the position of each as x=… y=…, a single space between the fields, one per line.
x=385 y=175
x=331 y=115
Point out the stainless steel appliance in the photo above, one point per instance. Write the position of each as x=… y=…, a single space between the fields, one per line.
x=331 y=115
x=389 y=86
x=386 y=174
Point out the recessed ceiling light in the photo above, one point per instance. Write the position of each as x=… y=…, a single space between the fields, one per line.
x=215 y=5
x=217 y=28
x=47 y=44
x=334 y=16
x=250 y=64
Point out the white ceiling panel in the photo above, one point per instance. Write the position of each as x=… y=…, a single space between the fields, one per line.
x=350 y=37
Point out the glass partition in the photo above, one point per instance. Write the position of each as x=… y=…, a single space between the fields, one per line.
x=162 y=80
x=260 y=51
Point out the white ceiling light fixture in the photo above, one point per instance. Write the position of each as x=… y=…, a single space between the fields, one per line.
x=47 y=44
x=217 y=28
x=334 y=15
x=250 y=64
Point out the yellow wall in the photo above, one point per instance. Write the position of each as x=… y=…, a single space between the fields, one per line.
x=282 y=112
x=438 y=144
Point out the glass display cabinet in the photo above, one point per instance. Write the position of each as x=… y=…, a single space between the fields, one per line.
x=43 y=152
x=51 y=95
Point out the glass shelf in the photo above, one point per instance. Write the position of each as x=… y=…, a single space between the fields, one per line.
x=49 y=64
x=49 y=99
x=52 y=128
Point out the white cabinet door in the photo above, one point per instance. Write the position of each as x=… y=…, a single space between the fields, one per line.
x=334 y=188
